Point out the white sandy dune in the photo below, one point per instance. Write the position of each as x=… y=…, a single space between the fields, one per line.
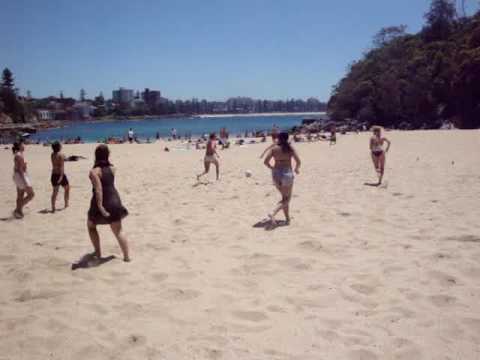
x=362 y=273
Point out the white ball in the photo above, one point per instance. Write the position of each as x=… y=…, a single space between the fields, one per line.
x=248 y=173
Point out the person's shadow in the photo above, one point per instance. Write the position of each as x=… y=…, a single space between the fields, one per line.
x=269 y=226
x=90 y=260
x=377 y=184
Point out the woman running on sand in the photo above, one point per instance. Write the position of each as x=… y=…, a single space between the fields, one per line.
x=211 y=156
x=58 y=177
x=282 y=173
x=378 y=154
x=20 y=178
x=105 y=206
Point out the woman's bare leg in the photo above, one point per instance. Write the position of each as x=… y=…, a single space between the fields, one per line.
x=122 y=240
x=54 y=197
x=376 y=165
x=20 y=196
x=94 y=238
x=286 y=197
x=207 y=169
x=217 y=169
x=381 y=166
x=279 y=206
x=66 y=195
x=30 y=194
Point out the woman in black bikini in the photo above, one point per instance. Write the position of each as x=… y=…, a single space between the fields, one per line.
x=282 y=173
x=105 y=206
x=377 y=151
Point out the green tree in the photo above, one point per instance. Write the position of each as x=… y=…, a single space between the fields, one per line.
x=7 y=80
x=440 y=20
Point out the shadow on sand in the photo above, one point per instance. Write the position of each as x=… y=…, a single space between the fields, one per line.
x=48 y=211
x=269 y=226
x=372 y=184
x=199 y=182
x=8 y=218
x=90 y=261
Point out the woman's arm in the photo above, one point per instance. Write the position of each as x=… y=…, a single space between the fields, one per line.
x=298 y=162
x=371 y=144
x=388 y=144
x=266 y=150
x=268 y=159
x=97 y=186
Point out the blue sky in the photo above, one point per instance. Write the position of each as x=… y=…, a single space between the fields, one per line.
x=211 y=49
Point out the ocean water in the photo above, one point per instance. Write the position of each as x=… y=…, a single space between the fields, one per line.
x=148 y=128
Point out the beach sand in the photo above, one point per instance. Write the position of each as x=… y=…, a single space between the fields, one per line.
x=361 y=273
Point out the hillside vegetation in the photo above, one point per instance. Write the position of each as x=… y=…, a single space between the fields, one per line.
x=416 y=81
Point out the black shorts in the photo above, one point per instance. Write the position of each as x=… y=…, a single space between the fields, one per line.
x=54 y=180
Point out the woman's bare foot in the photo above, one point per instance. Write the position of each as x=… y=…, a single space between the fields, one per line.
x=127 y=259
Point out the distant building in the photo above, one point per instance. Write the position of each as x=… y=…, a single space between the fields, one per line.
x=82 y=111
x=152 y=97
x=122 y=96
x=45 y=115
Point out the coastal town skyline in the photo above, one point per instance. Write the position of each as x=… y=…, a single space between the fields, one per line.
x=274 y=50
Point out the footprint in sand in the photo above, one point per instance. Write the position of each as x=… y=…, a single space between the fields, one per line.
x=136 y=339
x=159 y=277
x=443 y=278
x=181 y=295
x=362 y=354
x=310 y=245
x=363 y=289
x=295 y=264
x=443 y=300
x=28 y=295
x=254 y=316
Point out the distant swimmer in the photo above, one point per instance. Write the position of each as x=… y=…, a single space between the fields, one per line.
x=59 y=178
x=20 y=178
x=282 y=173
x=211 y=157
x=377 y=151
x=105 y=206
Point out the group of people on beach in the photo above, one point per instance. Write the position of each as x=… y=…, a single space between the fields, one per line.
x=106 y=207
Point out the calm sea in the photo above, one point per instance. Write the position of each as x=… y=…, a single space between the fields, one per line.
x=94 y=131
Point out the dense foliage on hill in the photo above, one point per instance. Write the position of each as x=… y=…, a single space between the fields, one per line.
x=416 y=81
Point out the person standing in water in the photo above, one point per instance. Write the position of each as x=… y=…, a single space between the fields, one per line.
x=130 y=135
x=105 y=206
x=58 y=177
x=282 y=173
x=377 y=151
x=211 y=157
x=20 y=178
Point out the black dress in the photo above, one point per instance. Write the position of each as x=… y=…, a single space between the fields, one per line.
x=111 y=201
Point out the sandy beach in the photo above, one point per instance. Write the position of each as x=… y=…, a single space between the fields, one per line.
x=362 y=273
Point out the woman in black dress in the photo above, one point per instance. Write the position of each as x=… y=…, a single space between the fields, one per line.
x=106 y=206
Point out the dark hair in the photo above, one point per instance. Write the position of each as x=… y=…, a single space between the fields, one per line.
x=16 y=146
x=212 y=136
x=101 y=156
x=283 y=142
x=56 y=147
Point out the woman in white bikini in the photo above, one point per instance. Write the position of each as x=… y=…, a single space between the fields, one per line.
x=20 y=178
x=211 y=157
x=282 y=173
x=377 y=151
